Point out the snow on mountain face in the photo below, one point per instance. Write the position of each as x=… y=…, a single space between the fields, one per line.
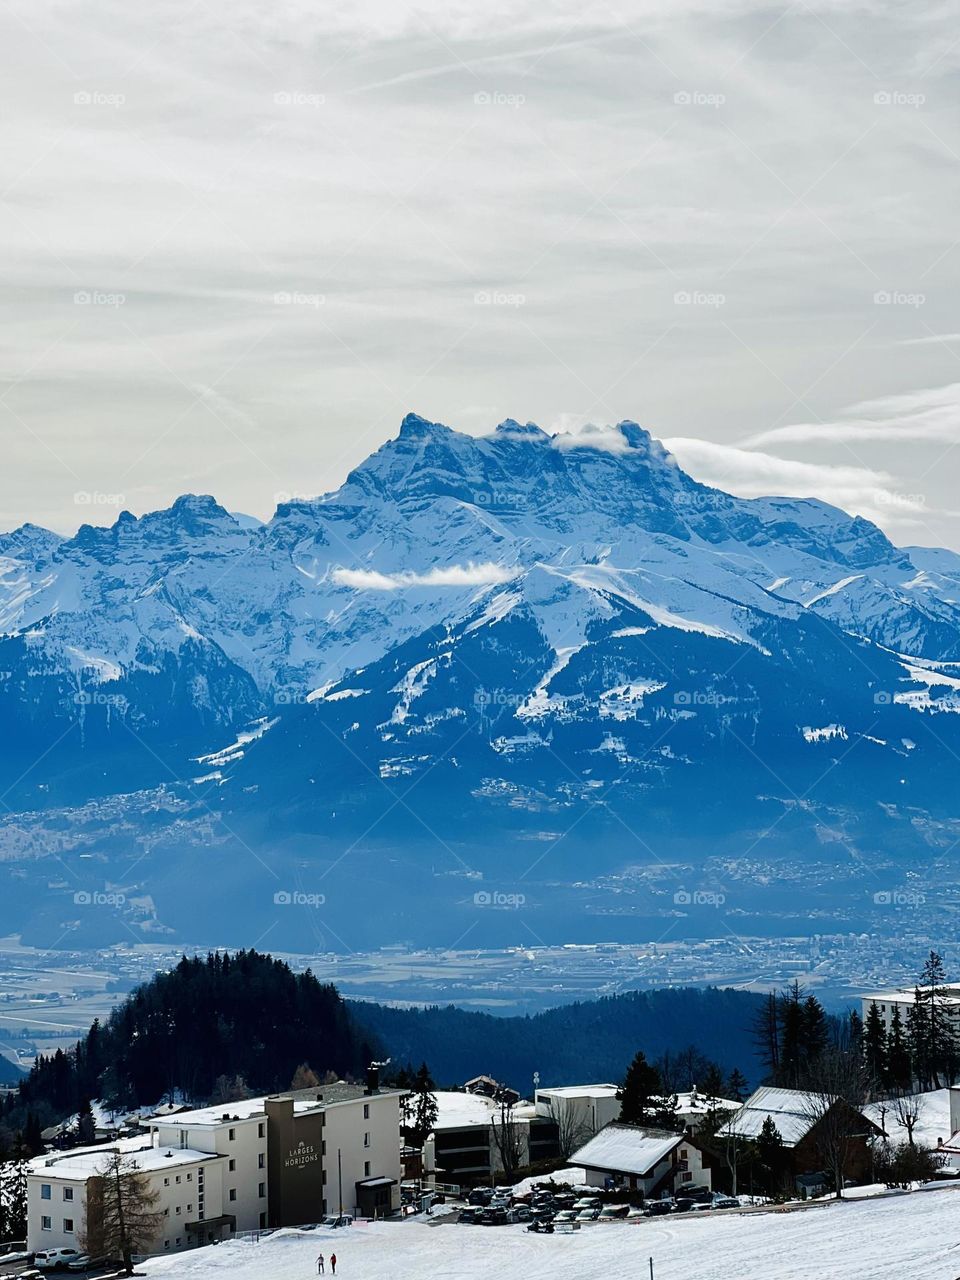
x=431 y=526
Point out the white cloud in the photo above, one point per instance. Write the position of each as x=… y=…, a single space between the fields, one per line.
x=470 y=575
x=932 y=414
x=754 y=474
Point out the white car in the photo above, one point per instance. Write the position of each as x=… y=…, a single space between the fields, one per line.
x=54 y=1259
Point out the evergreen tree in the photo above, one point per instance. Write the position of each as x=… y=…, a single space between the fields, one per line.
x=640 y=1094
x=770 y=1155
x=899 y=1070
x=13 y=1188
x=86 y=1130
x=875 y=1052
x=736 y=1086
x=419 y=1109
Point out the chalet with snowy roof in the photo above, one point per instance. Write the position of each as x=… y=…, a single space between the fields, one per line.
x=654 y=1162
x=799 y=1116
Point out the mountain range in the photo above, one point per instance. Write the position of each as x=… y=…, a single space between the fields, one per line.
x=515 y=688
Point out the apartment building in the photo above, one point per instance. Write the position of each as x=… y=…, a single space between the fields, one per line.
x=60 y=1186
x=240 y=1166
x=902 y=998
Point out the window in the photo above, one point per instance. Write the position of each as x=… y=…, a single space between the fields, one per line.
x=178 y=1179
x=261 y=1130
x=189 y=1177
x=189 y=1208
x=178 y=1209
x=262 y=1190
x=323 y=1178
x=323 y=1147
x=232 y=1166
x=44 y=1190
x=261 y=1160
x=683 y=1153
x=68 y=1193
x=46 y=1223
x=179 y=1238
x=366 y=1139
x=68 y=1226
x=233 y=1193
x=366 y=1168
x=166 y=1212
x=366 y=1111
x=687 y=1177
x=232 y=1135
x=166 y=1182
x=166 y=1244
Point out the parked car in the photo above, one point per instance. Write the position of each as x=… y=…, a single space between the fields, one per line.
x=31 y=1274
x=588 y=1215
x=86 y=1263
x=612 y=1212
x=55 y=1259
x=338 y=1220
x=634 y=1213
x=521 y=1213
x=655 y=1208
x=470 y=1215
x=725 y=1202
x=15 y=1255
x=566 y=1215
x=588 y=1202
x=480 y=1196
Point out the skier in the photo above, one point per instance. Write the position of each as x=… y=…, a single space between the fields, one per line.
x=320 y=1265
x=333 y=1264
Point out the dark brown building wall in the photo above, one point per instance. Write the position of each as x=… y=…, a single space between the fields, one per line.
x=294 y=1164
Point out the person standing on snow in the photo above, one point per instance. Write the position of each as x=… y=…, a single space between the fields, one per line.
x=320 y=1265
x=333 y=1264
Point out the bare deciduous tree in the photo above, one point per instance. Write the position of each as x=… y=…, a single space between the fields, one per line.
x=121 y=1216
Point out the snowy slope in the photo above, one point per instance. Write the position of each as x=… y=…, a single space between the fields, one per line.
x=908 y=1237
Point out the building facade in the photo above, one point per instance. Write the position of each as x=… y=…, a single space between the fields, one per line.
x=241 y=1166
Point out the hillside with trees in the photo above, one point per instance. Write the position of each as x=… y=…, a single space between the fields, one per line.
x=220 y=1025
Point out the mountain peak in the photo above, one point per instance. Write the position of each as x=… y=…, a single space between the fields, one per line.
x=513 y=430
x=414 y=427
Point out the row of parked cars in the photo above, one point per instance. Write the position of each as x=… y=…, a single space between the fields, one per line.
x=46 y=1260
x=547 y=1209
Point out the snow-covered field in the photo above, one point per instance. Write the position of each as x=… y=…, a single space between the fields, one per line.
x=909 y=1237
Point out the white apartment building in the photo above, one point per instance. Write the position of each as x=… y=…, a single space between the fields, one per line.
x=903 y=997
x=240 y=1166
x=184 y=1182
x=579 y=1110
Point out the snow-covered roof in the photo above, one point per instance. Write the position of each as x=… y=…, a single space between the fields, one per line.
x=793 y=1111
x=626 y=1148
x=700 y=1104
x=325 y=1095
x=82 y=1162
x=581 y=1091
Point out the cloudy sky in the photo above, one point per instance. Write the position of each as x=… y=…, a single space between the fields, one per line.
x=242 y=240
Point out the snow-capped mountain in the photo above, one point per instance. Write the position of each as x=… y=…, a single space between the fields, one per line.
x=549 y=641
